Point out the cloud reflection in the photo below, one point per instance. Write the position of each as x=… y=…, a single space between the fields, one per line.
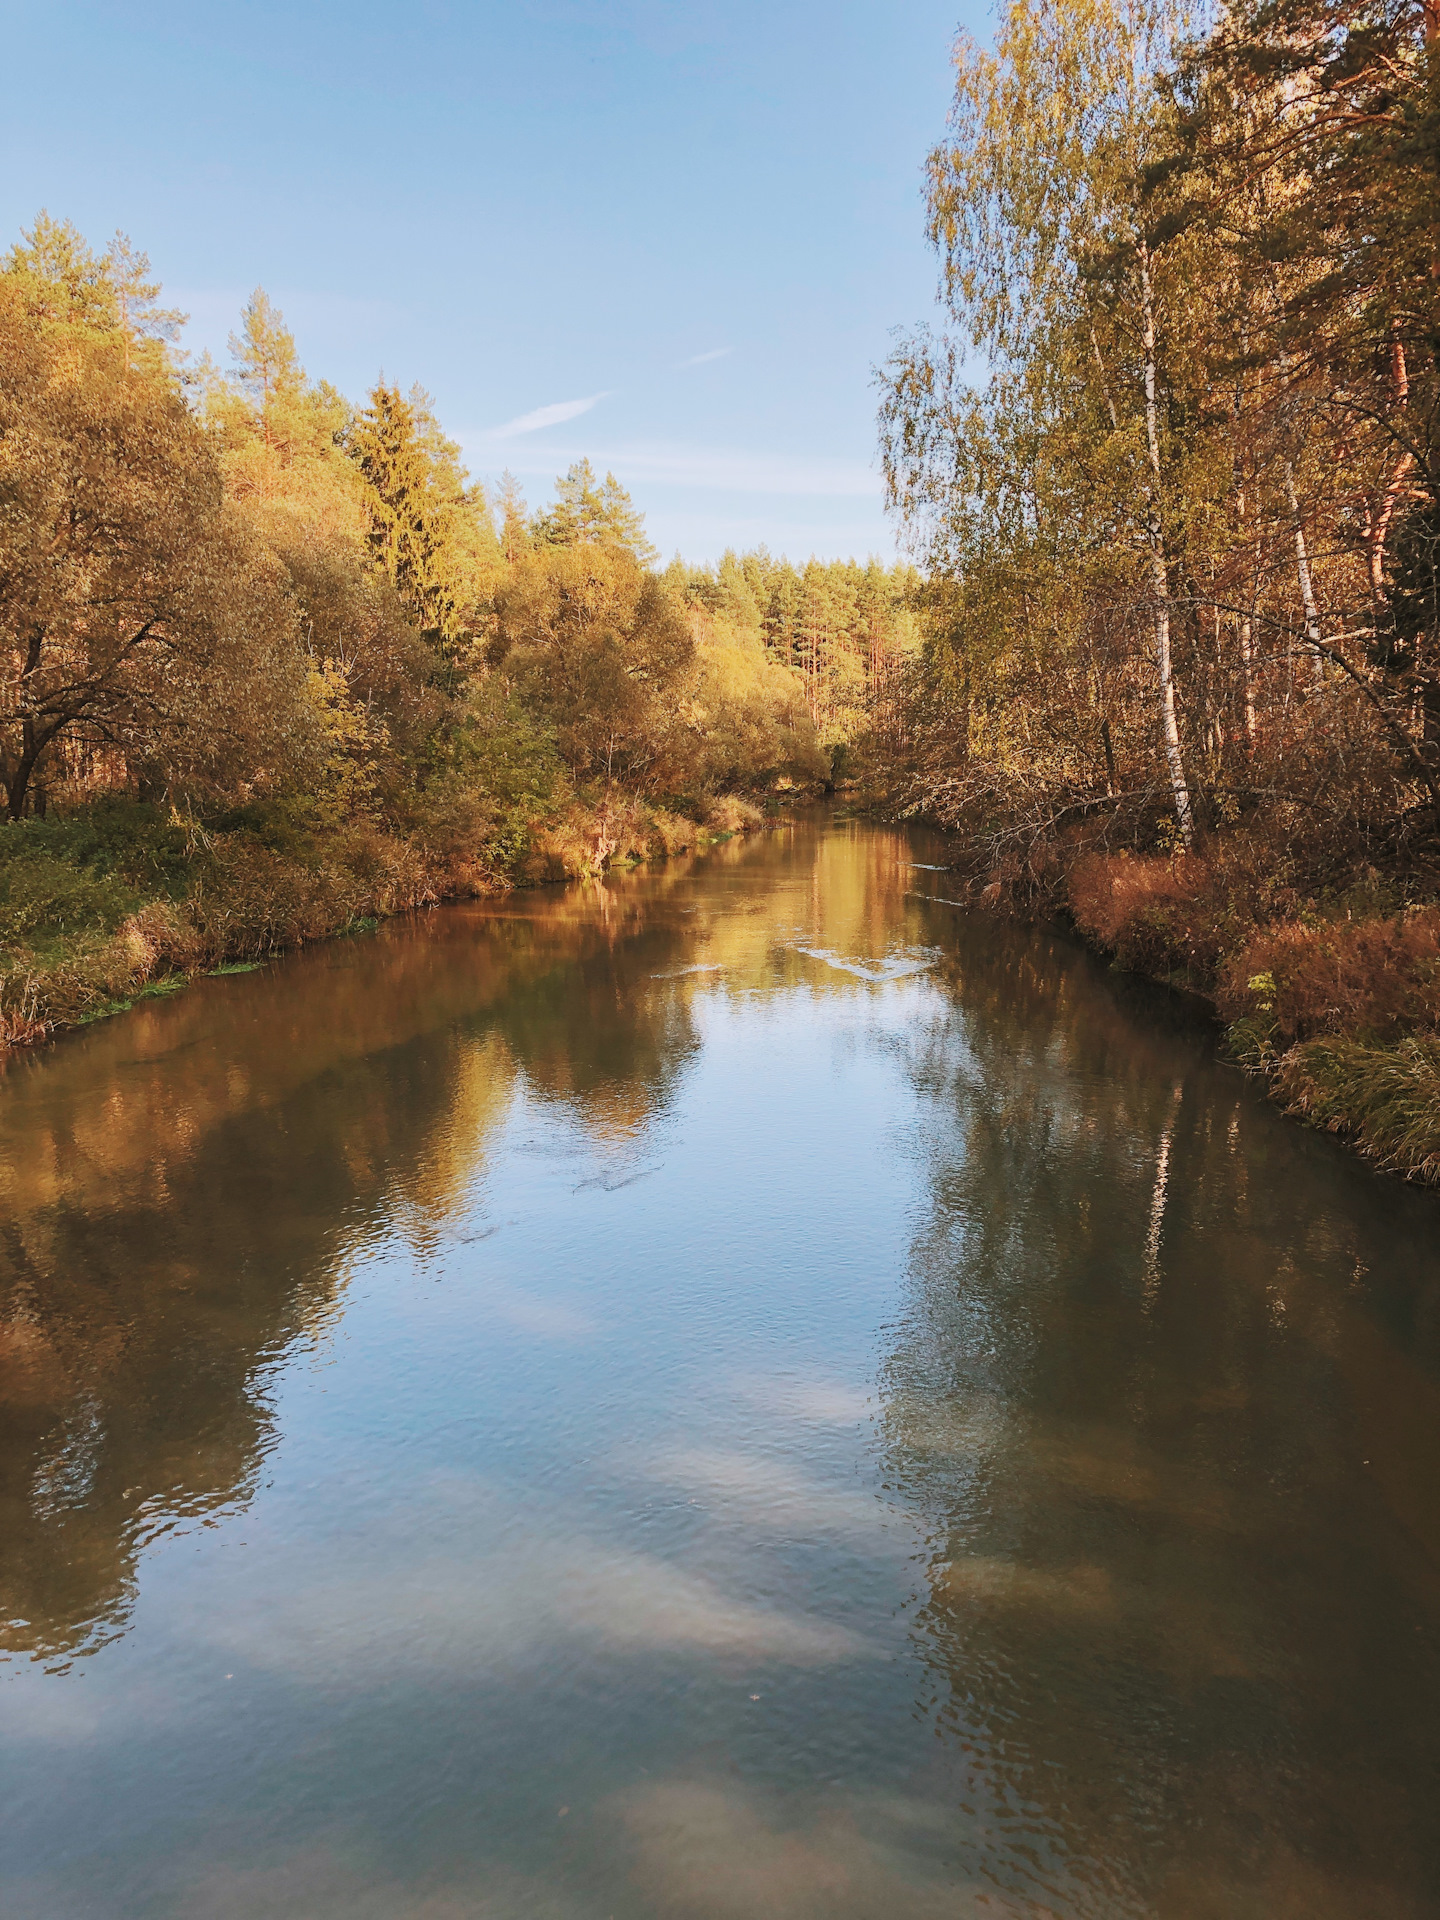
x=521 y=1602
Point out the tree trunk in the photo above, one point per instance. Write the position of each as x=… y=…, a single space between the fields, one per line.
x=1159 y=582
x=1307 y=588
x=1247 y=678
x=18 y=788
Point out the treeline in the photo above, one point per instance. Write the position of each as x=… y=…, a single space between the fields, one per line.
x=1171 y=473
x=270 y=662
x=845 y=631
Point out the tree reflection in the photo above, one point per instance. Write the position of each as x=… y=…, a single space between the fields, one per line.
x=183 y=1190
x=1125 y=1398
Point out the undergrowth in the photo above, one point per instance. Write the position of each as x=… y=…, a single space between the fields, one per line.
x=99 y=910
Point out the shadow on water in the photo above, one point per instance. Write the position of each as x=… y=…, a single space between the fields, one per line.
x=835 y=1405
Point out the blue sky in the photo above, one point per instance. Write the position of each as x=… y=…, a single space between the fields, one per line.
x=672 y=237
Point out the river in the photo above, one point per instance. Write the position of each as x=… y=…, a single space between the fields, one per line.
x=743 y=1393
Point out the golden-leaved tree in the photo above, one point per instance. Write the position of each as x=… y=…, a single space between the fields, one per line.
x=140 y=619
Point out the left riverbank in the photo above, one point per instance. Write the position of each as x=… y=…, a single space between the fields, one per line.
x=128 y=900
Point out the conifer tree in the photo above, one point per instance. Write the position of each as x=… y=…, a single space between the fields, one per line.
x=60 y=277
x=143 y=324
x=426 y=529
x=267 y=365
x=587 y=511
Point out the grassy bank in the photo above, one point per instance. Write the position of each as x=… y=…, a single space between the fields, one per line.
x=1331 y=993
x=126 y=900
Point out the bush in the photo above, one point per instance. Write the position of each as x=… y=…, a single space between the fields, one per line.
x=47 y=897
x=1372 y=979
x=728 y=813
x=63 y=877
x=1157 y=916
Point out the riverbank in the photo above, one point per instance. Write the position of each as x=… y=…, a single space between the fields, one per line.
x=1331 y=995
x=126 y=900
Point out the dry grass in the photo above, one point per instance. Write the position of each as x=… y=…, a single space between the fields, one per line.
x=1370 y=979
x=22 y=1023
x=1109 y=893
x=1171 y=917
x=1386 y=1100
x=728 y=813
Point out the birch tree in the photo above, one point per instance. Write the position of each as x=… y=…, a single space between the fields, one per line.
x=1056 y=274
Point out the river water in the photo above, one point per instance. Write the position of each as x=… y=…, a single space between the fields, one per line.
x=744 y=1392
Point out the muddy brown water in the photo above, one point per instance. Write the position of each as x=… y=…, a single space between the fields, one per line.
x=746 y=1392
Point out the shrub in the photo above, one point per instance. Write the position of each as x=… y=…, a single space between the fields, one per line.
x=44 y=896
x=1147 y=911
x=250 y=899
x=728 y=813
x=1373 y=979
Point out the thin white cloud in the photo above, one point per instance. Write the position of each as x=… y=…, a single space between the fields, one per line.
x=551 y=416
x=703 y=359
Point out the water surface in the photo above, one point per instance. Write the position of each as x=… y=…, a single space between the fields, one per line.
x=743 y=1392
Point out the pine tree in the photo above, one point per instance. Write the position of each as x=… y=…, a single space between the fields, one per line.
x=142 y=323
x=267 y=365
x=587 y=511
x=63 y=279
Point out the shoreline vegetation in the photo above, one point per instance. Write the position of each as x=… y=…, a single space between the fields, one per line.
x=1170 y=468
x=275 y=668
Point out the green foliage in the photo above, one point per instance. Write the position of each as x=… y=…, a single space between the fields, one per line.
x=45 y=897
x=589 y=512
x=844 y=633
x=425 y=529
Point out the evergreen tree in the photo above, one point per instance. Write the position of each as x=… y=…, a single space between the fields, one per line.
x=588 y=511
x=60 y=278
x=267 y=366
x=146 y=327
x=427 y=531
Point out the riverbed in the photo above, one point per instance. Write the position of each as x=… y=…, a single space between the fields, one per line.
x=746 y=1391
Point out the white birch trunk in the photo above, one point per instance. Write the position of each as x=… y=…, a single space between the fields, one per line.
x=1307 y=588
x=1159 y=584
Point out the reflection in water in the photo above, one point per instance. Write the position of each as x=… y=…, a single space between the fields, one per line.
x=182 y=1191
x=738 y=1392
x=1172 y=1630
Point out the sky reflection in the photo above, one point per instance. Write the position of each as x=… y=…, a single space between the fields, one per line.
x=681 y=1399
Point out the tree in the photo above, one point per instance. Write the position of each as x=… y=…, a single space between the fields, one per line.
x=267 y=367
x=1312 y=130
x=600 y=647
x=428 y=532
x=136 y=615
x=591 y=512
x=145 y=327
x=1069 y=264
x=59 y=278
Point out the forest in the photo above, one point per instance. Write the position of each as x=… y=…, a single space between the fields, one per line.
x=1168 y=468
x=275 y=666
